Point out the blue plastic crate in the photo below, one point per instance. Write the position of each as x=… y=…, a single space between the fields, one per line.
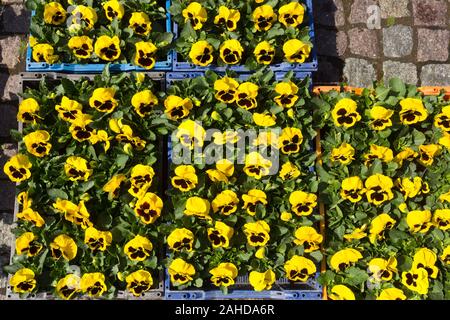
x=282 y=289
x=165 y=65
x=174 y=76
x=310 y=66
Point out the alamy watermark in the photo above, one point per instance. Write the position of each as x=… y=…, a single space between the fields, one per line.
x=237 y=146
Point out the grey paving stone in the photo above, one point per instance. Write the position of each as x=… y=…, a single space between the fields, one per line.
x=331 y=43
x=329 y=13
x=16 y=19
x=435 y=75
x=430 y=13
x=10 y=51
x=363 y=42
x=8 y=119
x=359 y=72
x=7 y=195
x=13 y=1
x=9 y=86
x=397 y=41
x=432 y=45
x=405 y=71
x=394 y=8
x=358 y=13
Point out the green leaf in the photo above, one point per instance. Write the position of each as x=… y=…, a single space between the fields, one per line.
x=175 y=9
x=57 y=193
x=164 y=39
x=188 y=32
x=398 y=86
x=162 y=131
x=42 y=259
x=244 y=256
x=198 y=283
x=121 y=160
x=16 y=135
x=382 y=93
x=437 y=292
x=85 y=186
x=214 y=42
x=323 y=175
x=31 y=4
x=11 y=269
x=419 y=137
x=36 y=31
x=224 y=289
x=275 y=32
x=356 y=276
x=377 y=167
x=326 y=278
x=316 y=255
x=397 y=235
x=106 y=75
x=269 y=75
x=228 y=113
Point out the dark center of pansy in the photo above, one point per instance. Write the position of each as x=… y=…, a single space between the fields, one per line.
x=226 y=95
x=111 y=13
x=56 y=253
x=286 y=99
x=204 y=57
x=222 y=280
x=289 y=19
x=67 y=292
x=139 y=287
x=146 y=108
x=25 y=285
x=297 y=55
x=58 y=16
x=378 y=123
x=146 y=212
x=245 y=103
x=110 y=52
x=342 y=266
x=425 y=157
x=263 y=22
x=96 y=288
x=182 y=183
x=27 y=116
x=303 y=207
x=255 y=170
x=216 y=238
x=40 y=147
x=34 y=248
x=138 y=253
x=227 y=208
x=186 y=243
x=139 y=28
x=81 y=52
x=257 y=237
x=17 y=173
x=76 y=173
x=411 y=115
x=347 y=119
x=179 y=277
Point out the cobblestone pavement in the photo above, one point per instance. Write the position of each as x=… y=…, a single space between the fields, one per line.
x=412 y=43
x=14 y=23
